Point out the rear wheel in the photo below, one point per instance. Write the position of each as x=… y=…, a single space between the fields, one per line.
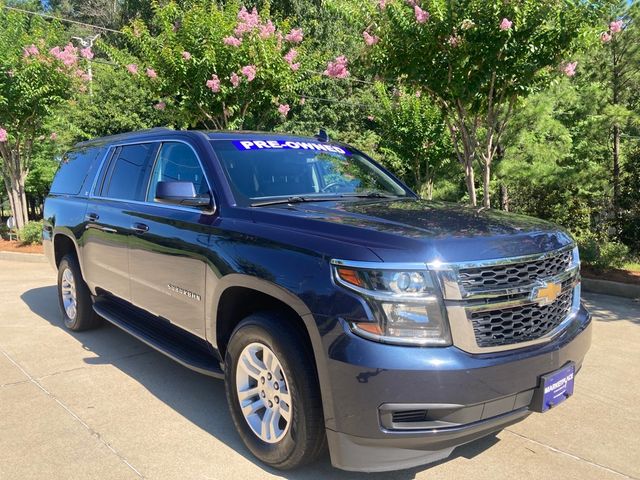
x=273 y=392
x=74 y=296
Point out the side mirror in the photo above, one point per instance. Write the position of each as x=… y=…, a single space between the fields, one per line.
x=181 y=193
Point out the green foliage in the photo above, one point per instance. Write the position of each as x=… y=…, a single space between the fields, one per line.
x=603 y=254
x=413 y=137
x=31 y=233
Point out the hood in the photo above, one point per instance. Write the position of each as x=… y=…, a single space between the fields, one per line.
x=410 y=230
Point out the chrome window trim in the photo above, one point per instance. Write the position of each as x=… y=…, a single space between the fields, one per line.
x=458 y=303
x=112 y=147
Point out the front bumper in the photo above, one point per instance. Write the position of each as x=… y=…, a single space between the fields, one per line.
x=463 y=396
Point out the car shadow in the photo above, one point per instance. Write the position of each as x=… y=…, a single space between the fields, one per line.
x=605 y=308
x=191 y=394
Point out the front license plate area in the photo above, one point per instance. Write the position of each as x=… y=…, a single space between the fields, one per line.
x=554 y=388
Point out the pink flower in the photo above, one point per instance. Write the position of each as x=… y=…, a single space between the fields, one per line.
x=605 y=37
x=86 y=53
x=371 y=118
x=295 y=66
x=569 y=69
x=303 y=100
x=267 y=30
x=232 y=41
x=418 y=93
x=370 y=39
x=31 y=50
x=421 y=15
x=186 y=55
x=249 y=71
x=68 y=55
x=235 y=79
x=214 y=83
x=247 y=21
x=283 y=109
x=291 y=56
x=294 y=36
x=53 y=136
x=616 y=26
x=3 y=135
x=151 y=73
x=160 y=106
x=505 y=24
x=454 y=40
x=132 y=68
x=382 y=4
x=337 y=68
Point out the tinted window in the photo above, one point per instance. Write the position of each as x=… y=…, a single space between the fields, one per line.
x=73 y=170
x=128 y=172
x=177 y=162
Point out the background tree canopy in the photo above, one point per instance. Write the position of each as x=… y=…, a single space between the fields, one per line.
x=540 y=97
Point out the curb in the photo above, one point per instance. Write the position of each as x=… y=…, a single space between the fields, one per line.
x=608 y=287
x=23 y=257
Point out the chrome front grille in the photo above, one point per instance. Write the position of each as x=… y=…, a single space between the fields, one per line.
x=491 y=277
x=508 y=326
x=508 y=303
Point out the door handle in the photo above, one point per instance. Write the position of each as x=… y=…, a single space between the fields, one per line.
x=92 y=216
x=108 y=230
x=140 y=227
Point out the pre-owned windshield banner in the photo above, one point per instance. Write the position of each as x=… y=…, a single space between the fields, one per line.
x=244 y=145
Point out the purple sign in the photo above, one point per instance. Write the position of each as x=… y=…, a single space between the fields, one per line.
x=244 y=145
x=557 y=387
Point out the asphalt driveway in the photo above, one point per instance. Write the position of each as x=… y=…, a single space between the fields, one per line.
x=101 y=404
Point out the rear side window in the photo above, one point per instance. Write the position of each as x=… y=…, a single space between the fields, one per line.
x=128 y=172
x=74 y=169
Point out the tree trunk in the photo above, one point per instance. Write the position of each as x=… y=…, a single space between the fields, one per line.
x=616 y=167
x=504 y=197
x=471 y=183
x=486 y=180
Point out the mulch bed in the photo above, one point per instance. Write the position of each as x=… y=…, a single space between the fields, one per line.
x=613 y=275
x=14 y=246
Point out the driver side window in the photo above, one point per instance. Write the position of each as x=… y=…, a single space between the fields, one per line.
x=177 y=162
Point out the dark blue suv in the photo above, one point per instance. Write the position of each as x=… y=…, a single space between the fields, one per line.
x=341 y=310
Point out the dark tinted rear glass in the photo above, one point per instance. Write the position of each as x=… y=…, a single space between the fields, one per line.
x=73 y=170
x=128 y=172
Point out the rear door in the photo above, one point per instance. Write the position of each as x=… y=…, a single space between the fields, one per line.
x=169 y=244
x=110 y=215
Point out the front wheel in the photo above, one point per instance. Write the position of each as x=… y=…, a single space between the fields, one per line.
x=273 y=392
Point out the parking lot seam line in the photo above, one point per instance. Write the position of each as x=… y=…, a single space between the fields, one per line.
x=20 y=382
x=571 y=455
x=70 y=412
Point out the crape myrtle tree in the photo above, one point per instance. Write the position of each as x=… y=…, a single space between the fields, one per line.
x=476 y=59
x=38 y=74
x=215 y=66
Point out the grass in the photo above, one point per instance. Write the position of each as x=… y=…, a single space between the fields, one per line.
x=633 y=266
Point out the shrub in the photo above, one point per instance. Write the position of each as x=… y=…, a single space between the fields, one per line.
x=31 y=233
x=603 y=254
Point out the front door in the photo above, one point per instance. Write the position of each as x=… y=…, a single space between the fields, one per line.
x=169 y=245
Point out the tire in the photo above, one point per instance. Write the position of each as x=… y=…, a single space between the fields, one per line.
x=74 y=297
x=300 y=439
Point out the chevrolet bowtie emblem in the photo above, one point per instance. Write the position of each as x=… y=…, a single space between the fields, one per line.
x=546 y=294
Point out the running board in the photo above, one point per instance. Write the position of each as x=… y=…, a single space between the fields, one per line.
x=175 y=343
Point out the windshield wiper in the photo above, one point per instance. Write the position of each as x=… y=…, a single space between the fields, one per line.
x=295 y=199
x=372 y=195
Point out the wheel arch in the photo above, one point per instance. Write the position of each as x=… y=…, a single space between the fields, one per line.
x=220 y=324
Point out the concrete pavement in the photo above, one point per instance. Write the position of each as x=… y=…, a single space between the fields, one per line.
x=102 y=405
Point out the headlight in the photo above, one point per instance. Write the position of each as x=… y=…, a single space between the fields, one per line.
x=404 y=302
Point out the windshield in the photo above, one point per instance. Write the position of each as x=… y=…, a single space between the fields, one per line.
x=259 y=170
